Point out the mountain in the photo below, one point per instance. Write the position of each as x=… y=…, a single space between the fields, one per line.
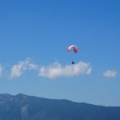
x=23 y=107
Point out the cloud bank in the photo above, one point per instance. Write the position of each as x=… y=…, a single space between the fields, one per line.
x=110 y=73
x=53 y=70
x=57 y=70
x=18 y=69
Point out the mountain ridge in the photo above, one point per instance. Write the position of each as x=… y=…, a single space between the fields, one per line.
x=25 y=107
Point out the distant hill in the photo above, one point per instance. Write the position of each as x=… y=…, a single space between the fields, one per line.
x=23 y=107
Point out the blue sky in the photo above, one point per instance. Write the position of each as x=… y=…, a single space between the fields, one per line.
x=34 y=36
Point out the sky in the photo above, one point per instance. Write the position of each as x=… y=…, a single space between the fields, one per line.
x=34 y=36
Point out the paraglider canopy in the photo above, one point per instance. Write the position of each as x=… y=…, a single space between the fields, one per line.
x=73 y=47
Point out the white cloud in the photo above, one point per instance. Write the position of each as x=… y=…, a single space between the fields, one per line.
x=1 y=69
x=18 y=69
x=57 y=70
x=110 y=73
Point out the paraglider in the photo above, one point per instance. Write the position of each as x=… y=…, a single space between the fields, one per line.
x=74 y=48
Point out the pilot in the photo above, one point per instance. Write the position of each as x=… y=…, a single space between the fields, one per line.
x=72 y=62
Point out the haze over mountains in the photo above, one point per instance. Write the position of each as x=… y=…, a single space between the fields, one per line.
x=24 y=107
